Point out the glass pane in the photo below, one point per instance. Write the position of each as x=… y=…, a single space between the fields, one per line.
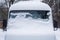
x=34 y=14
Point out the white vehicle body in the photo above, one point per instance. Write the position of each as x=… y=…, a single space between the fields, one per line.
x=31 y=27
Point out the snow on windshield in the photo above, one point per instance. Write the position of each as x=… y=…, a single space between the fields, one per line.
x=30 y=14
x=22 y=18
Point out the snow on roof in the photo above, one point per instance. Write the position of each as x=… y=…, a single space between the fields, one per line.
x=36 y=0
x=30 y=5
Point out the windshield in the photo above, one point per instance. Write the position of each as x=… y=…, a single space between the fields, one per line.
x=34 y=14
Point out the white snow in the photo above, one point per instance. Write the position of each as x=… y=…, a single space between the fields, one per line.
x=57 y=33
x=27 y=34
x=30 y=5
x=2 y=35
x=37 y=0
x=20 y=21
x=20 y=28
x=28 y=0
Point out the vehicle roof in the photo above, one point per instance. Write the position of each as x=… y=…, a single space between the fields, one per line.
x=30 y=5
